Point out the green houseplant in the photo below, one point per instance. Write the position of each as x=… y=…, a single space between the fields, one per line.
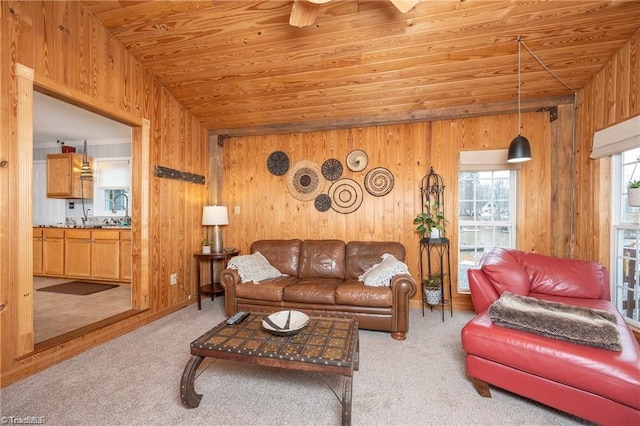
x=426 y=222
x=432 y=288
x=633 y=193
x=206 y=246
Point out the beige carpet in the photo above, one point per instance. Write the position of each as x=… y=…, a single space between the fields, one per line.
x=134 y=380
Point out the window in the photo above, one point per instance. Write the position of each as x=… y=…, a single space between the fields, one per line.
x=487 y=216
x=625 y=271
x=112 y=179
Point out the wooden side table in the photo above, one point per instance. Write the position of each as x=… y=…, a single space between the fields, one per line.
x=212 y=258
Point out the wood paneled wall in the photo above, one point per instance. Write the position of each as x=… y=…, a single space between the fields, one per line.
x=269 y=211
x=611 y=97
x=64 y=44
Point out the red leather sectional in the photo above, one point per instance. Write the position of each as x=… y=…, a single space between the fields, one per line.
x=599 y=385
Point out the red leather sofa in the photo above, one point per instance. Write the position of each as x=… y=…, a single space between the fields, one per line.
x=598 y=385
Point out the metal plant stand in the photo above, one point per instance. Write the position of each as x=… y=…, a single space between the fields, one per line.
x=436 y=250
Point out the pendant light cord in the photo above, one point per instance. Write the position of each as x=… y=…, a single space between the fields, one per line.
x=573 y=136
x=519 y=87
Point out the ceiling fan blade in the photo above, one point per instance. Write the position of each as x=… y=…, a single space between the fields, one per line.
x=303 y=13
x=405 y=5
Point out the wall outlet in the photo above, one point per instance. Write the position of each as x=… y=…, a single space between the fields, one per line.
x=236 y=209
x=174 y=279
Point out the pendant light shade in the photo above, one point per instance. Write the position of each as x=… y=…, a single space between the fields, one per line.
x=519 y=150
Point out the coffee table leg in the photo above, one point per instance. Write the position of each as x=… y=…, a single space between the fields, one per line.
x=356 y=356
x=346 y=401
x=188 y=394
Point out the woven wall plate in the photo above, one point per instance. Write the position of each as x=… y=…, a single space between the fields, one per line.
x=332 y=169
x=378 y=181
x=278 y=163
x=304 y=180
x=357 y=160
x=346 y=195
x=322 y=202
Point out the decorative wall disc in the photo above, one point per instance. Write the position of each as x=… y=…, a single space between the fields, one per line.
x=332 y=169
x=304 y=180
x=322 y=202
x=357 y=160
x=378 y=181
x=278 y=163
x=346 y=195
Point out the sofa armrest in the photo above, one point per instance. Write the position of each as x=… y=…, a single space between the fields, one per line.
x=483 y=294
x=229 y=278
x=403 y=288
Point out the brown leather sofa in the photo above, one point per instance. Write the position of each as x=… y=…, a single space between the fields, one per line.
x=600 y=385
x=322 y=279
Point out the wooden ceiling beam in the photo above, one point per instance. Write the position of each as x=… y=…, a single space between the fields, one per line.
x=445 y=113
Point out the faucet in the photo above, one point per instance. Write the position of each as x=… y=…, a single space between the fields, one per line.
x=126 y=207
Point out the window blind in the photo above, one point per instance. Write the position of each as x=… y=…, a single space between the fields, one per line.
x=114 y=174
x=617 y=138
x=485 y=160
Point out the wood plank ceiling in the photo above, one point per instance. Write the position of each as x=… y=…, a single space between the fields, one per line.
x=242 y=69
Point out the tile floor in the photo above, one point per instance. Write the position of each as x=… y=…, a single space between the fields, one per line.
x=55 y=314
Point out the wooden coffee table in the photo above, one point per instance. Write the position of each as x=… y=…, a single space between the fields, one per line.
x=325 y=345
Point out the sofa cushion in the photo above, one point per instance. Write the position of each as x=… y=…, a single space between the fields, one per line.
x=282 y=254
x=253 y=267
x=355 y=293
x=564 y=277
x=504 y=271
x=322 y=259
x=381 y=273
x=269 y=290
x=362 y=255
x=312 y=290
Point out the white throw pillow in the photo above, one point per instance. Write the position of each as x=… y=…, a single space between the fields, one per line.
x=254 y=267
x=380 y=274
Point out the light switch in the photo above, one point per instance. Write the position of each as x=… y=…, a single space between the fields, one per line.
x=236 y=209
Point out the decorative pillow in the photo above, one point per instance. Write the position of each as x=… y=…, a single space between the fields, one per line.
x=380 y=274
x=254 y=267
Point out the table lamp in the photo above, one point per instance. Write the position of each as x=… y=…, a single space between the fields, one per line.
x=215 y=215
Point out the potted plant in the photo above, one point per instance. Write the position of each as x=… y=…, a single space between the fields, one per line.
x=430 y=224
x=633 y=193
x=206 y=246
x=432 y=288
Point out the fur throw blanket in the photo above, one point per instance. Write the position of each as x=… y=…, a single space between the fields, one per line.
x=575 y=324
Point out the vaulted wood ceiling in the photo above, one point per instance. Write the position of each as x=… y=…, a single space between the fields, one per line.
x=241 y=68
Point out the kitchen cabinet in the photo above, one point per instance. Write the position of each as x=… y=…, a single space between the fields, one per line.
x=105 y=254
x=77 y=253
x=53 y=252
x=63 y=177
x=92 y=254
x=100 y=254
x=37 y=251
x=125 y=255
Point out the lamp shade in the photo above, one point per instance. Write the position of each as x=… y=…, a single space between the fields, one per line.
x=215 y=215
x=519 y=150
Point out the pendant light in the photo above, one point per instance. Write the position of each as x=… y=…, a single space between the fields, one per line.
x=85 y=171
x=519 y=148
